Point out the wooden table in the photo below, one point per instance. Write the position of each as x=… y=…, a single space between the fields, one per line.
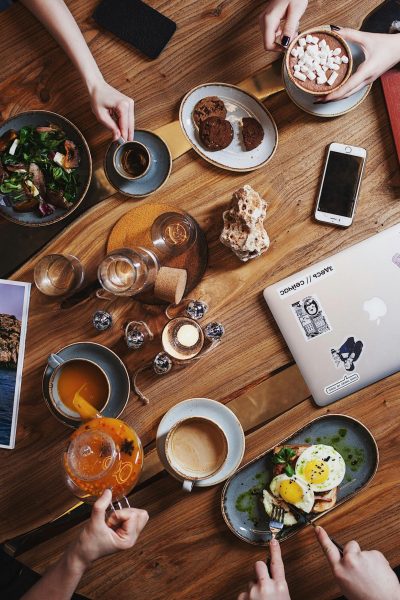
x=186 y=551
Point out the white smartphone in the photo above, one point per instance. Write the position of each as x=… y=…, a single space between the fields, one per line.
x=340 y=186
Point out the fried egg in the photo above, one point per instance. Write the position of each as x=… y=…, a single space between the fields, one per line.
x=269 y=501
x=321 y=466
x=293 y=490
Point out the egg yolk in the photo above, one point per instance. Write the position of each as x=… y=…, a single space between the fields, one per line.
x=291 y=491
x=316 y=471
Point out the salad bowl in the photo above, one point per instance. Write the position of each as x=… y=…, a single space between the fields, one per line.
x=38 y=186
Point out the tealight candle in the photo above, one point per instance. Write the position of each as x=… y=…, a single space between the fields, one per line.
x=187 y=335
x=182 y=338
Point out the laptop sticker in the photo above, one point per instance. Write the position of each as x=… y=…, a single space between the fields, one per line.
x=311 y=317
x=347 y=354
x=305 y=280
x=341 y=383
x=396 y=259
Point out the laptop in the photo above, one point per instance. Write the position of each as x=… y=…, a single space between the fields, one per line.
x=341 y=317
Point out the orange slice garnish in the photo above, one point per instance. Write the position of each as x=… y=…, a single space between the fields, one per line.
x=83 y=407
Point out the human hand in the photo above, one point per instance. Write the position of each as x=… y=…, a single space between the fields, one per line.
x=120 y=532
x=382 y=52
x=268 y=586
x=107 y=102
x=289 y=11
x=361 y=575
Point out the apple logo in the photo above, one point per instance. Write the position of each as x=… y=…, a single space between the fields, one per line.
x=376 y=308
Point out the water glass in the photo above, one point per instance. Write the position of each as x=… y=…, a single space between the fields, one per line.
x=58 y=274
x=126 y=272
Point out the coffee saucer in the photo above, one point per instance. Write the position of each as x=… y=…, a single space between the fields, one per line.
x=156 y=176
x=222 y=416
x=329 y=109
x=111 y=364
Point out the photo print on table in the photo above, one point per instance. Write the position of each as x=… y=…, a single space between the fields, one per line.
x=14 y=302
x=311 y=317
x=347 y=354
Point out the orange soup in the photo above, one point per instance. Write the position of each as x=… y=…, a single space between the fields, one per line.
x=85 y=377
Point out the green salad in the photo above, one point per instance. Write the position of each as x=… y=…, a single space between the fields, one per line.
x=38 y=170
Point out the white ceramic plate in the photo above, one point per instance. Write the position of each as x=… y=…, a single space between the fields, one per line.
x=238 y=104
x=223 y=416
x=330 y=109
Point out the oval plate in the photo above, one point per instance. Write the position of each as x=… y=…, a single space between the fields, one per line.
x=250 y=475
x=109 y=362
x=37 y=118
x=239 y=104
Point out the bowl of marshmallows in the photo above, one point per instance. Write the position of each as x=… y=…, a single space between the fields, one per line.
x=318 y=61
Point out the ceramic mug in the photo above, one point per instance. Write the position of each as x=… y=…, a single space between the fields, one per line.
x=131 y=160
x=58 y=364
x=196 y=448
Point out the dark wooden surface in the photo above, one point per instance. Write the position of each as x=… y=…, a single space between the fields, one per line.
x=186 y=551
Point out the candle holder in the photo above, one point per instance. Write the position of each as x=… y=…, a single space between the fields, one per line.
x=184 y=341
x=137 y=333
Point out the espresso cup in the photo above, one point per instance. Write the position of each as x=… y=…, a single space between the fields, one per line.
x=196 y=448
x=131 y=160
x=97 y=379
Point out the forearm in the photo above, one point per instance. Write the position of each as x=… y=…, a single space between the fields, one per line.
x=61 y=580
x=58 y=20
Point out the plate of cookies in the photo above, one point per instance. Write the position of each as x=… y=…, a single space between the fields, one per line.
x=228 y=127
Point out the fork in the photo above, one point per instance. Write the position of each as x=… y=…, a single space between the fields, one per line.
x=276 y=521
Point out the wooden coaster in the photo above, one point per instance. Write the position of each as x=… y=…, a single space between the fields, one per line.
x=134 y=229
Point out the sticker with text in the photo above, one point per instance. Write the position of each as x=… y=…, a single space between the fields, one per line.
x=347 y=354
x=305 y=280
x=311 y=317
x=346 y=380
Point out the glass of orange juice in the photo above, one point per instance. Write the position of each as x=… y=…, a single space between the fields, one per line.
x=103 y=453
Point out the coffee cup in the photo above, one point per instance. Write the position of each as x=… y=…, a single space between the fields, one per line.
x=77 y=375
x=196 y=448
x=131 y=160
x=318 y=61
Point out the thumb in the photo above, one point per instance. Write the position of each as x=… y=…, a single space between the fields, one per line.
x=101 y=505
x=352 y=35
x=293 y=16
x=103 y=115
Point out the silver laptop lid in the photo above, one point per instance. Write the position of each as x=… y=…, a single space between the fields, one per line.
x=341 y=317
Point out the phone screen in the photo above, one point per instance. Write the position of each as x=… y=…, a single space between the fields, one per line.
x=340 y=185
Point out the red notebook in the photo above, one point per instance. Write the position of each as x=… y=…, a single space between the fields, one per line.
x=391 y=89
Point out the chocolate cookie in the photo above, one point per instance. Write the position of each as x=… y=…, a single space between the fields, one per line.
x=252 y=132
x=215 y=133
x=211 y=106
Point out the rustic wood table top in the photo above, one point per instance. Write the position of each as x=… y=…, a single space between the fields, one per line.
x=186 y=551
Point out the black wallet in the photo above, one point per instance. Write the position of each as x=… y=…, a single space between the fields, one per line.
x=137 y=23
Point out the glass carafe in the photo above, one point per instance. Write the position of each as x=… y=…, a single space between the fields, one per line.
x=103 y=453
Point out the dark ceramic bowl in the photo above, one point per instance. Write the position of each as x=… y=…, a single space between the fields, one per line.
x=348 y=434
x=38 y=118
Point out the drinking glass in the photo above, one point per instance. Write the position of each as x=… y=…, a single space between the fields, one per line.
x=126 y=272
x=173 y=233
x=58 y=274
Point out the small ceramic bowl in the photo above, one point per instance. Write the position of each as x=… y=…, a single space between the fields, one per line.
x=323 y=89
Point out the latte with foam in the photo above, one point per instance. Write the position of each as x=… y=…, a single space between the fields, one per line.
x=196 y=448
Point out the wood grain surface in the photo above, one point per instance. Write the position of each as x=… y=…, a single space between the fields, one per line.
x=186 y=551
